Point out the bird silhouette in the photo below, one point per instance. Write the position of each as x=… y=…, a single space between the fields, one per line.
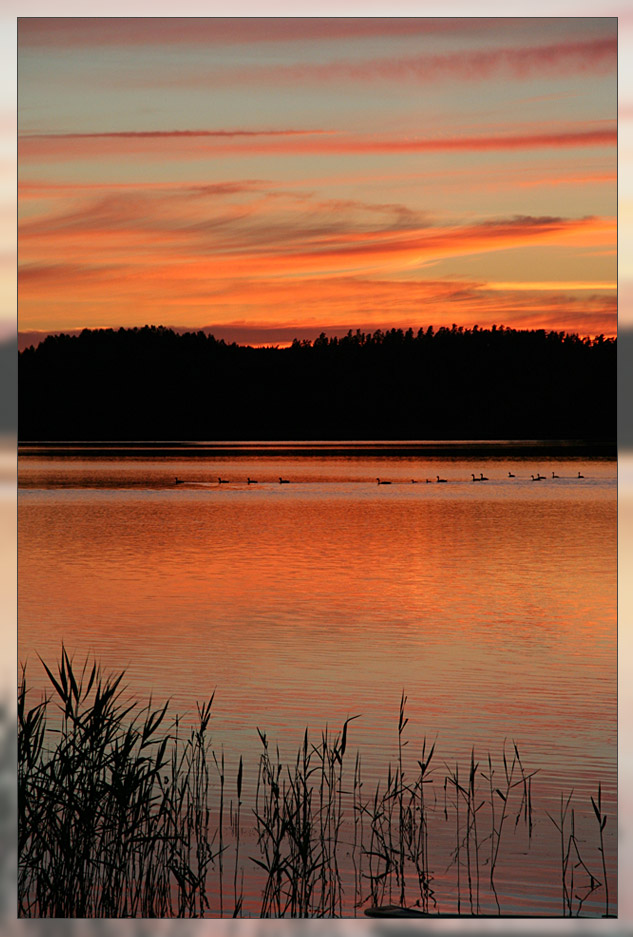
x=284 y=481
x=554 y=475
x=222 y=481
x=251 y=481
x=482 y=477
x=179 y=481
x=440 y=480
x=382 y=482
x=580 y=476
x=475 y=479
x=510 y=475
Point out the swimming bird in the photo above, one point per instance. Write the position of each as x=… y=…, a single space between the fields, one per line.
x=251 y=481
x=440 y=480
x=554 y=475
x=179 y=481
x=429 y=481
x=475 y=479
x=534 y=479
x=539 y=477
x=580 y=476
x=222 y=481
x=510 y=475
x=284 y=481
x=382 y=482
x=414 y=481
x=482 y=477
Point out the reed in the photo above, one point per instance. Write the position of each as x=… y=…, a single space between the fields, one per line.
x=111 y=823
x=299 y=815
x=602 y=822
x=576 y=890
x=125 y=811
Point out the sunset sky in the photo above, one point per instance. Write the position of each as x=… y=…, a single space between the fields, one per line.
x=275 y=178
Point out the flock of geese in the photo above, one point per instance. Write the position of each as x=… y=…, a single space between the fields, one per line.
x=226 y=481
x=383 y=481
x=482 y=478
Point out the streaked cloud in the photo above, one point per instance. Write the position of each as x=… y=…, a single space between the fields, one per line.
x=90 y=32
x=591 y=56
x=178 y=144
x=161 y=134
x=301 y=174
x=553 y=286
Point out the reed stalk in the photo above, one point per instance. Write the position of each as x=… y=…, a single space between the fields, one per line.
x=602 y=822
x=120 y=816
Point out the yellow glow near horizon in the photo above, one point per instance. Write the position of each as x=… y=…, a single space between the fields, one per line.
x=570 y=285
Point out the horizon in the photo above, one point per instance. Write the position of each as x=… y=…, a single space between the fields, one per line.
x=235 y=334
x=359 y=171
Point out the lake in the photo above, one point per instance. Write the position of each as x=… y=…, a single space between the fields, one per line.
x=490 y=604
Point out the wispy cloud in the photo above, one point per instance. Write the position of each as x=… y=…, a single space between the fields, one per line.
x=162 y=134
x=216 y=200
x=200 y=232
x=188 y=145
x=57 y=273
x=86 y=32
x=590 y=56
x=265 y=312
x=552 y=286
x=172 y=254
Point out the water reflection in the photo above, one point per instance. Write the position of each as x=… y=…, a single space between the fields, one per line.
x=492 y=605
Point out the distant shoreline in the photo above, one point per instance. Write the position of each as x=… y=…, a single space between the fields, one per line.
x=514 y=448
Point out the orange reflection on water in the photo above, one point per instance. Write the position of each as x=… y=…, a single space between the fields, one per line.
x=491 y=606
x=488 y=602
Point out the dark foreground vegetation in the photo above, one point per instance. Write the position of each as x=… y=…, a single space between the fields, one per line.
x=124 y=811
x=154 y=384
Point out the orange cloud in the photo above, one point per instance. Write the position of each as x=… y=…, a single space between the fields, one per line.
x=590 y=179
x=257 y=286
x=278 y=233
x=244 y=250
x=268 y=310
x=194 y=145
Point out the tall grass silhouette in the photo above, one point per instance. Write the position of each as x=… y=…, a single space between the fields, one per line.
x=126 y=811
x=113 y=818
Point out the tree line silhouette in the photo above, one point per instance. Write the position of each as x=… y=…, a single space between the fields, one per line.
x=152 y=383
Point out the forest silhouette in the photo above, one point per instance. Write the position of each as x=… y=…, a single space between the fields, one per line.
x=153 y=383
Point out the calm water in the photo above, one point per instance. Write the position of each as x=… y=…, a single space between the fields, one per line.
x=492 y=605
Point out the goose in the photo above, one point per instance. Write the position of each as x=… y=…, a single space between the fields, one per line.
x=554 y=475
x=414 y=481
x=284 y=481
x=440 y=480
x=510 y=475
x=179 y=481
x=534 y=478
x=474 y=478
x=580 y=476
x=222 y=481
x=429 y=481
x=382 y=482
x=539 y=477
x=251 y=481
x=482 y=477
